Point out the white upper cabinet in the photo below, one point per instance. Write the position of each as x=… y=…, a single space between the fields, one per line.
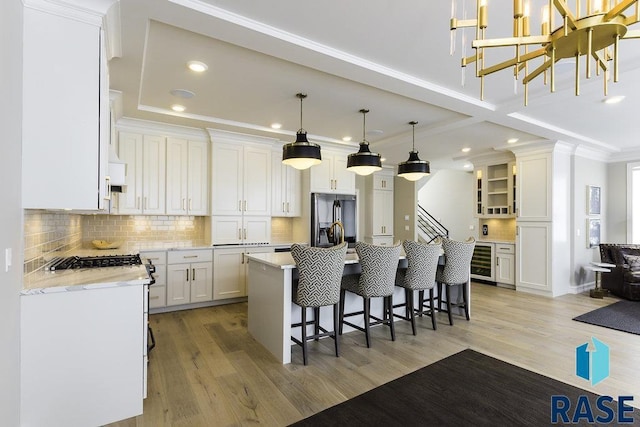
x=144 y=156
x=65 y=113
x=332 y=176
x=187 y=177
x=286 y=188
x=241 y=176
x=379 y=204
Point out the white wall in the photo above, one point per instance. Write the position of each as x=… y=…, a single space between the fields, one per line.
x=448 y=196
x=587 y=172
x=10 y=208
x=616 y=229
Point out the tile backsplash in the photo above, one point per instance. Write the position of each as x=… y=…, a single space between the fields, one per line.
x=49 y=234
x=142 y=232
x=281 y=230
x=499 y=229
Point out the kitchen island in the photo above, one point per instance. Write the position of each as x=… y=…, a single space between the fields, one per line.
x=271 y=310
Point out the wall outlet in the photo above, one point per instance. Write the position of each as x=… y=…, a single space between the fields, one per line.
x=406 y=217
x=406 y=228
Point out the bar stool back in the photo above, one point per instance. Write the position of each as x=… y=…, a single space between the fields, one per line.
x=420 y=275
x=319 y=275
x=455 y=272
x=377 y=279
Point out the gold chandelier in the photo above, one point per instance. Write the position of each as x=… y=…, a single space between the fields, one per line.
x=592 y=34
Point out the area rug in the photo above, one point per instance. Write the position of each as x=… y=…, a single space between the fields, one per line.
x=622 y=315
x=466 y=389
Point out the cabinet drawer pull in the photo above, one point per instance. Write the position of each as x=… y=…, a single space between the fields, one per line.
x=187 y=270
x=138 y=202
x=283 y=208
x=245 y=205
x=287 y=207
x=239 y=234
x=156 y=297
x=189 y=256
x=184 y=204
x=190 y=204
x=107 y=181
x=193 y=274
x=240 y=205
x=245 y=234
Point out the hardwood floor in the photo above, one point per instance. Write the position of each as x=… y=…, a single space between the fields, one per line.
x=207 y=370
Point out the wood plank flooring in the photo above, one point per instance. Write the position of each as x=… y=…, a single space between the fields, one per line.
x=206 y=369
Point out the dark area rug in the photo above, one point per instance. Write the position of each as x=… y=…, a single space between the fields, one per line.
x=466 y=389
x=622 y=315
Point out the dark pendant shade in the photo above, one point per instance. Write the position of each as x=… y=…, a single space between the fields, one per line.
x=364 y=162
x=301 y=154
x=414 y=168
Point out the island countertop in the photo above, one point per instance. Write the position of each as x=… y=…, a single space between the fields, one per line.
x=284 y=260
x=86 y=278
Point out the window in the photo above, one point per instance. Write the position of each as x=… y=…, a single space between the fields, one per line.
x=633 y=202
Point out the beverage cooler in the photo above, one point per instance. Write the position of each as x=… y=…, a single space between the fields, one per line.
x=482 y=262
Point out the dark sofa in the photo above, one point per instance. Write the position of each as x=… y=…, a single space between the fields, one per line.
x=624 y=278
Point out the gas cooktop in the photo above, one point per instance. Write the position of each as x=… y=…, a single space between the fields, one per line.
x=74 y=262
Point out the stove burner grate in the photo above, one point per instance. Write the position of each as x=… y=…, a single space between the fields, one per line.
x=95 y=262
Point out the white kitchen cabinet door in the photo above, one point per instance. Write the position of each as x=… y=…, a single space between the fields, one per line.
x=227 y=164
x=285 y=189
x=187 y=177
x=153 y=174
x=144 y=156
x=256 y=229
x=61 y=132
x=382 y=213
x=345 y=180
x=201 y=281
x=226 y=230
x=533 y=246
x=198 y=178
x=383 y=181
x=332 y=176
x=178 y=288
x=534 y=181
x=130 y=152
x=257 y=181
x=177 y=176
x=228 y=273
x=505 y=268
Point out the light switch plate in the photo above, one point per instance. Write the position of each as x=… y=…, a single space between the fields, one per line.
x=8 y=255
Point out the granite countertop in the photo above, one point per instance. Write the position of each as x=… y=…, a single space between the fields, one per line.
x=284 y=260
x=86 y=278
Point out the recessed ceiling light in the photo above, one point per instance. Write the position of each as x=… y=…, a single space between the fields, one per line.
x=383 y=159
x=466 y=149
x=467 y=165
x=197 y=66
x=375 y=132
x=182 y=93
x=613 y=99
x=512 y=140
x=276 y=125
x=178 y=108
x=346 y=138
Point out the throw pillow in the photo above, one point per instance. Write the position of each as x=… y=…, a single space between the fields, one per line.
x=633 y=261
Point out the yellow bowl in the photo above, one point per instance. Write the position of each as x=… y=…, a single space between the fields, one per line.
x=103 y=244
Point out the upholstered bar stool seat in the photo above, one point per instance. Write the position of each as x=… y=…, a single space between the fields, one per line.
x=319 y=277
x=455 y=273
x=377 y=279
x=420 y=275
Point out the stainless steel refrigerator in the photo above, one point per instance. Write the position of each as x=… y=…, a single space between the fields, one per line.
x=333 y=216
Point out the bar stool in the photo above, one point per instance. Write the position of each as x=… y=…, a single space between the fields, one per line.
x=455 y=272
x=420 y=275
x=319 y=274
x=377 y=279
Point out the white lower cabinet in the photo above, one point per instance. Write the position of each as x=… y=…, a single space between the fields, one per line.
x=505 y=265
x=230 y=272
x=189 y=276
x=230 y=230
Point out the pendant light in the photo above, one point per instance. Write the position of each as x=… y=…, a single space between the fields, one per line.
x=301 y=154
x=364 y=162
x=414 y=168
